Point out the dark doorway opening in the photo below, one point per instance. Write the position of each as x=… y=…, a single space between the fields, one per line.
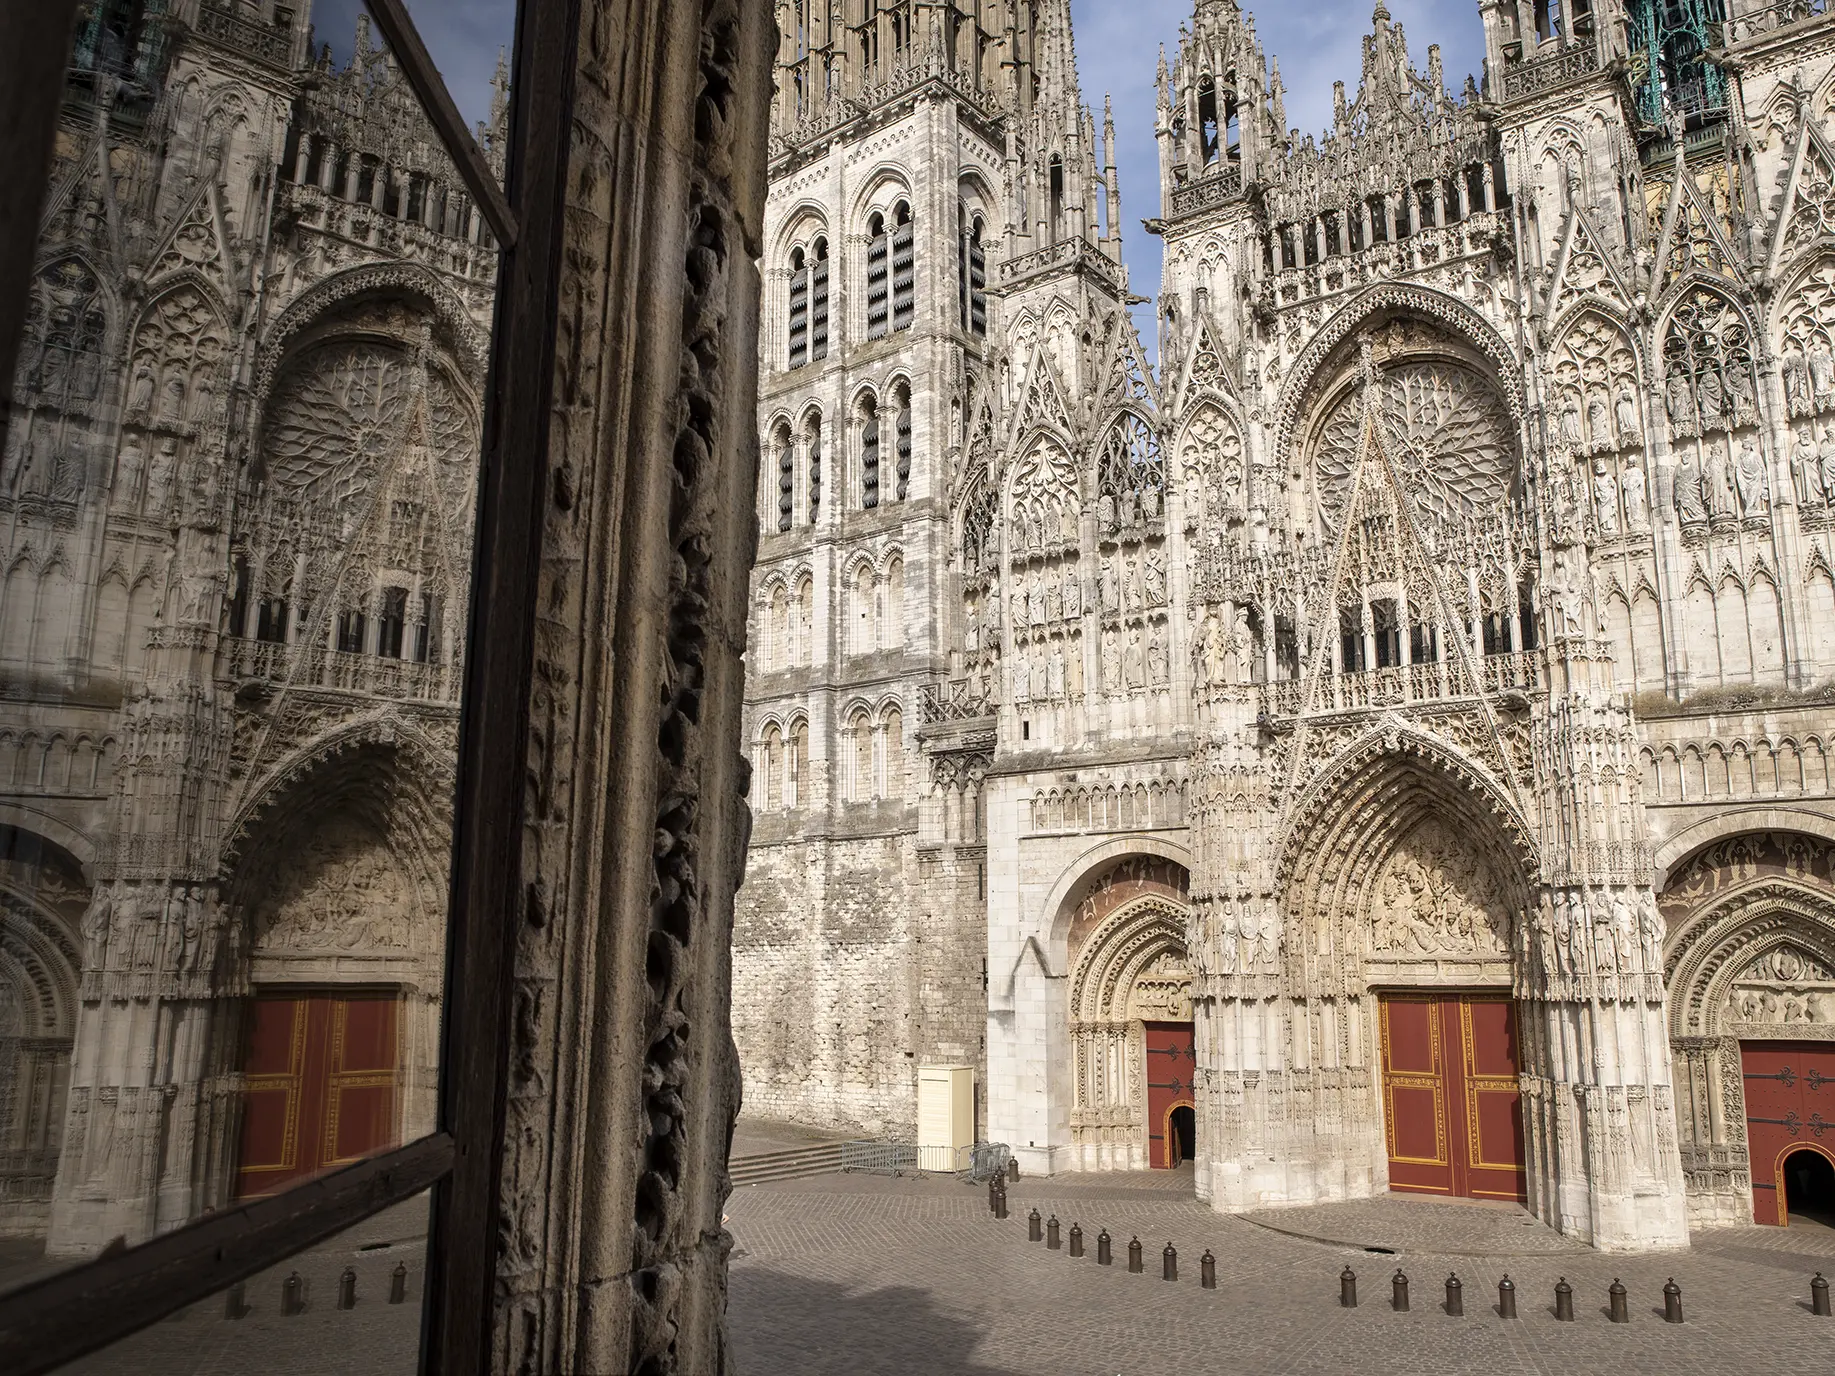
x=1184 y=1134
x=1809 y=1186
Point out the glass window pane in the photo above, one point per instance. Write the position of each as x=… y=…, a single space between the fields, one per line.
x=236 y=513
x=285 y=1327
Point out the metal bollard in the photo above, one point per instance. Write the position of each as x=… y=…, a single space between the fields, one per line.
x=1051 y=1233
x=1347 y=1288
x=1134 y=1258
x=1621 y=1310
x=398 y=1283
x=1506 y=1298
x=993 y=1196
x=347 y=1288
x=1013 y=1170
x=1564 y=1301
x=235 y=1303
x=1207 y=1270
x=292 y=1295
x=1000 y=1206
x=1819 y=1296
x=1672 y=1302
x=1076 y=1239
x=1398 y=1297
x=1104 y=1255
x=1034 y=1232
x=1455 y=1297
x=1169 y=1263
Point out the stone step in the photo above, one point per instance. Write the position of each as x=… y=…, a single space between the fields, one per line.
x=789 y=1164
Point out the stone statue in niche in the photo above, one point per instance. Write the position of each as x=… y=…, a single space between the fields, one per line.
x=1822 y=373
x=1689 y=504
x=1054 y=672
x=1105 y=514
x=1111 y=661
x=1680 y=400
x=1650 y=933
x=1710 y=396
x=1134 y=668
x=1605 y=491
x=1570 y=425
x=1131 y=585
x=1825 y=459
x=1626 y=407
x=1796 y=383
x=1035 y=603
x=1155 y=578
x=1745 y=404
x=1637 y=506
x=971 y=628
x=1156 y=658
x=1806 y=469
x=1073 y=595
x=1067 y=525
x=1111 y=589
x=1718 y=479
x=1037 y=670
x=1750 y=475
x=1018 y=612
x=140 y=394
x=1599 y=427
x=1054 y=600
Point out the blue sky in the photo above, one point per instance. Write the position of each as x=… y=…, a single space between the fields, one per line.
x=1118 y=43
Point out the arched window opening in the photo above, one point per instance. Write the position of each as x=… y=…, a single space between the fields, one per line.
x=352 y=627
x=904 y=269
x=1388 y=634
x=1232 y=127
x=869 y=452
x=786 y=477
x=427 y=633
x=901 y=398
x=879 y=299
x=238 y=602
x=892 y=613
x=815 y=465
x=818 y=301
x=1210 y=131
x=1526 y=616
x=271 y=621
x=892 y=754
x=861 y=783
x=771 y=781
x=866 y=630
x=1548 y=20
x=974 y=278
x=799 y=309
x=393 y=623
x=796 y=766
x=1055 y=213
x=1350 y=640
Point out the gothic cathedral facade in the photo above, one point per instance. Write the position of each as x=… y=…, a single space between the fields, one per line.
x=1385 y=745
x=237 y=487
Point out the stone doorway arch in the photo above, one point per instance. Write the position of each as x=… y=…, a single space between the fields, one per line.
x=1131 y=972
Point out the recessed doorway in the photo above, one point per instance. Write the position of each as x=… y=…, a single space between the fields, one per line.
x=1172 y=1084
x=1807 y=1180
x=1182 y=1134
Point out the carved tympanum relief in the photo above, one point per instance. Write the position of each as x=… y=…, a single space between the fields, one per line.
x=343 y=891
x=1448 y=433
x=1784 y=985
x=1436 y=896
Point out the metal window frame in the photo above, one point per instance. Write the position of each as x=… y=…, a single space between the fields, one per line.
x=87 y=1307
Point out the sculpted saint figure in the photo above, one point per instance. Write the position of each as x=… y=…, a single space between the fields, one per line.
x=140 y=396
x=1689 y=503
x=1754 y=497
x=1054 y=673
x=1605 y=490
x=1822 y=373
x=1599 y=428
x=1073 y=595
x=1111 y=661
x=1035 y=603
x=1134 y=670
x=1796 y=384
x=1719 y=481
x=1626 y=406
x=1156 y=659
x=1745 y=404
x=1111 y=589
x=1806 y=470
x=1637 y=508
x=1710 y=392
x=1570 y=425
x=1681 y=402
x=1825 y=455
x=1156 y=578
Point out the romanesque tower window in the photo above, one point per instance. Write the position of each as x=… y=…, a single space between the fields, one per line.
x=786 y=476
x=869 y=452
x=901 y=400
x=796 y=764
x=879 y=300
x=818 y=300
x=974 y=278
x=799 y=309
x=814 y=426
x=861 y=783
x=904 y=268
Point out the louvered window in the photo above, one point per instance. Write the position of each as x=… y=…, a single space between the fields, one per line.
x=903 y=440
x=869 y=457
x=815 y=468
x=974 y=281
x=879 y=300
x=786 y=479
x=904 y=271
x=818 y=302
x=799 y=310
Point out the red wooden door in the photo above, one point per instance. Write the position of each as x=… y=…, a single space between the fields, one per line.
x=1452 y=1109
x=1790 y=1105
x=1172 y=1076
x=320 y=1080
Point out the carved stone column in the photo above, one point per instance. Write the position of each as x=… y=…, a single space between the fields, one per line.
x=602 y=821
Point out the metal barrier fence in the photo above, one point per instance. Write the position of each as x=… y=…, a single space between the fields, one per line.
x=973 y=1163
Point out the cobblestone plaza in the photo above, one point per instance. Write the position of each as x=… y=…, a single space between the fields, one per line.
x=872 y=1276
